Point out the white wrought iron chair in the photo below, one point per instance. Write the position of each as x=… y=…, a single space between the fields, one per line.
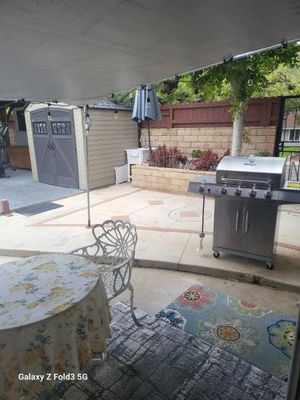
x=113 y=251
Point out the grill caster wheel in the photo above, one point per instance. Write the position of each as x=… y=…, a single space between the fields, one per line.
x=216 y=254
x=269 y=265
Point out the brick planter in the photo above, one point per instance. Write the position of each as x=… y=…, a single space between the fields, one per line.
x=166 y=179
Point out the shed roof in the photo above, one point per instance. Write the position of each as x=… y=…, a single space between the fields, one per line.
x=106 y=104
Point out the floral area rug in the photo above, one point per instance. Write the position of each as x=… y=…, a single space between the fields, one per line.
x=261 y=337
x=160 y=362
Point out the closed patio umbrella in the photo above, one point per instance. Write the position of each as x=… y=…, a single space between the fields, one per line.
x=146 y=107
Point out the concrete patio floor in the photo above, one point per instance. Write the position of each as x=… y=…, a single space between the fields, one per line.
x=20 y=190
x=168 y=227
x=168 y=242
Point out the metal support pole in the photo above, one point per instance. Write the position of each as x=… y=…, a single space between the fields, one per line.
x=3 y=129
x=139 y=131
x=86 y=124
x=278 y=139
x=149 y=137
x=202 y=234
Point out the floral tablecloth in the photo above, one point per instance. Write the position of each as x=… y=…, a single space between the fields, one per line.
x=54 y=316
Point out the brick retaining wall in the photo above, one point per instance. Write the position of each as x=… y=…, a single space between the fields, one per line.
x=166 y=179
x=213 y=138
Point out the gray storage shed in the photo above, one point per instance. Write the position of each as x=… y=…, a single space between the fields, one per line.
x=56 y=141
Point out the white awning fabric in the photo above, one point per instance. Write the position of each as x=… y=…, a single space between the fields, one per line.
x=81 y=50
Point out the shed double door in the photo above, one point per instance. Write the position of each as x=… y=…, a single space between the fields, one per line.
x=55 y=146
x=245 y=226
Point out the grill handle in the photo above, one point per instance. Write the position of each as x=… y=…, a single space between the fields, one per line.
x=253 y=181
x=247 y=220
x=237 y=218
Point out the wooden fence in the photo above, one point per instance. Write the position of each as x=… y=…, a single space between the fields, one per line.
x=261 y=112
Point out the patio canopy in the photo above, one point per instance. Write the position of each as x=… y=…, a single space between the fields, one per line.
x=79 y=51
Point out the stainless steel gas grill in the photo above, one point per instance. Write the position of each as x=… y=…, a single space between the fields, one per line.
x=247 y=191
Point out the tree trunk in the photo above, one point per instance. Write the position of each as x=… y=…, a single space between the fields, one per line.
x=237 y=131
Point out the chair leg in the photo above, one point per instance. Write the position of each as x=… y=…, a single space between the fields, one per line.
x=135 y=320
x=104 y=355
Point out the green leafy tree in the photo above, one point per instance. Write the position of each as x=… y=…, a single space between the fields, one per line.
x=252 y=76
x=270 y=73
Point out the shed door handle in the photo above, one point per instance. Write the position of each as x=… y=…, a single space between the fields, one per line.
x=247 y=220
x=237 y=218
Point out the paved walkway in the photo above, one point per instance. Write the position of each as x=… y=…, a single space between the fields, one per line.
x=21 y=191
x=168 y=227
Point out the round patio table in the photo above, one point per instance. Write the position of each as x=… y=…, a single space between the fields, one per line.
x=54 y=315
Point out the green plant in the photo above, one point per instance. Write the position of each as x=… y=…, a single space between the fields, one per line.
x=246 y=136
x=196 y=153
x=272 y=72
x=263 y=153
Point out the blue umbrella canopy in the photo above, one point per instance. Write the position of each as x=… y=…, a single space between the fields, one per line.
x=146 y=107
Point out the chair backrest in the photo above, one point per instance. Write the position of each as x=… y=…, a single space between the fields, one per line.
x=117 y=279
x=91 y=252
x=117 y=239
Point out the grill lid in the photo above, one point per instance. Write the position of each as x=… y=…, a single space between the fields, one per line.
x=249 y=171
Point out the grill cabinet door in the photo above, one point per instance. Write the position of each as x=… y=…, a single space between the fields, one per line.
x=228 y=233
x=259 y=224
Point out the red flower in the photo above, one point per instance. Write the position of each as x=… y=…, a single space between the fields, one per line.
x=195 y=297
x=248 y=305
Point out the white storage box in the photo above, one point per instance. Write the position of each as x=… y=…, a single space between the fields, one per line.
x=133 y=156
x=137 y=157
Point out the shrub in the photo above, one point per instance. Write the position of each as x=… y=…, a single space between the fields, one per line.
x=207 y=161
x=196 y=153
x=226 y=153
x=166 y=157
x=263 y=153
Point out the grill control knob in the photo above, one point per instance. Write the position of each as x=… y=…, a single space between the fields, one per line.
x=268 y=194
x=201 y=189
x=223 y=190
x=238 y=192
x=252 y=193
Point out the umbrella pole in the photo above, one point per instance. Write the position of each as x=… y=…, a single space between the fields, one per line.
x=87 y=182
x=149 y=139
x=86 y=131
x=139 y=134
